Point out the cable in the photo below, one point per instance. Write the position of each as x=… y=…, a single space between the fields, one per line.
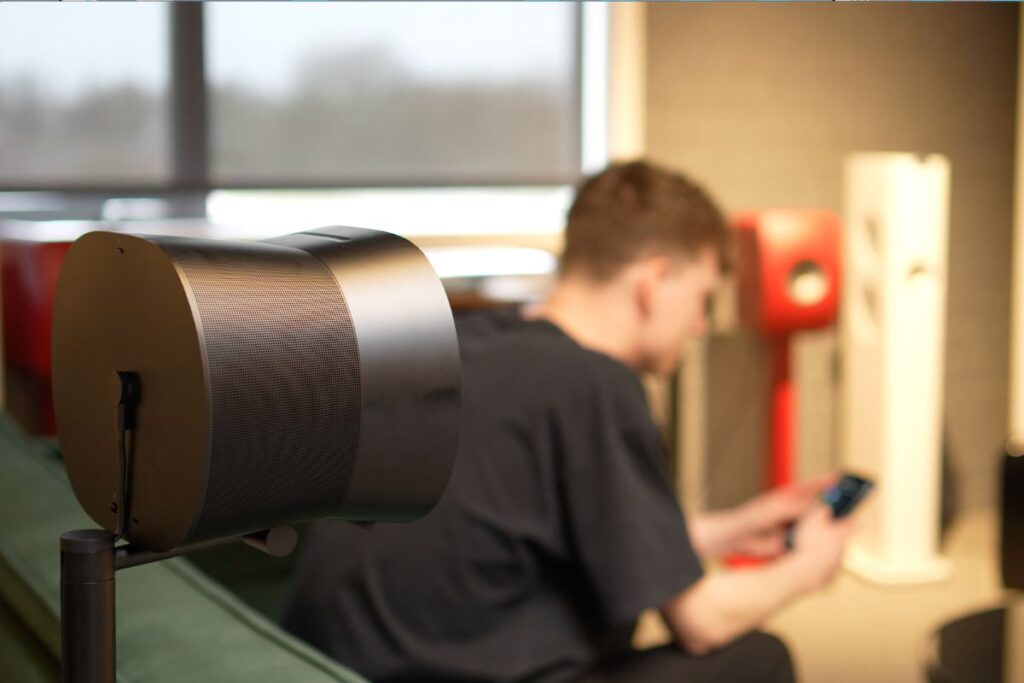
x=126 y=417
x=125 y=470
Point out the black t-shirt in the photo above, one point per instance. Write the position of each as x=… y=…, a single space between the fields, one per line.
x=558 y=527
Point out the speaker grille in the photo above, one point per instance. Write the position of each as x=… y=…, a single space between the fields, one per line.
x=284 y=382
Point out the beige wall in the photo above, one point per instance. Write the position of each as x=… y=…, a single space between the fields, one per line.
x=761 y=102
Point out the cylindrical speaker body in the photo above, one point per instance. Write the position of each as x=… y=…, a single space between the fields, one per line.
x=315 y=375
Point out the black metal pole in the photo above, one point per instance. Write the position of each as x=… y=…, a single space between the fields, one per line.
x=88 y=562
x=87 y=639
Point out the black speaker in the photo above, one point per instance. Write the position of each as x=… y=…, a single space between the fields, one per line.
x=313 y=375
x=1012 y=526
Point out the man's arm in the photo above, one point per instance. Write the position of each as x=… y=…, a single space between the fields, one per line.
x=723 y=606
x=716 y=534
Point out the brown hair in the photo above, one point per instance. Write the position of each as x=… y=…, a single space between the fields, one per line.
x=635 y=209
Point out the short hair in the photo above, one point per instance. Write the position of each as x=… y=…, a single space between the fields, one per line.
x=635 y=209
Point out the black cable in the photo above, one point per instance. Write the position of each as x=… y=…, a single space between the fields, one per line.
x=125 y=469
x=125 y=423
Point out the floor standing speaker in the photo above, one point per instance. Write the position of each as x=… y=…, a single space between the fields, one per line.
x=1012 y=522
x=892 y=327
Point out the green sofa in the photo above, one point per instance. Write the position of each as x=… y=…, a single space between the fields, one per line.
x=174 y=623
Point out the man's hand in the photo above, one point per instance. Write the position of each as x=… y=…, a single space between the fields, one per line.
x=767 y=516
x=758 y=527
x=785 y=504
x=819 y=542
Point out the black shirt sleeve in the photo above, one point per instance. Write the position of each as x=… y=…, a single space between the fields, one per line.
x=623 y=518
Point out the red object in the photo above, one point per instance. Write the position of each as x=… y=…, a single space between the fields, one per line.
x=789 y=269
x=29 y=271
x=788 y=281
x=781 y=451
x=789 y=277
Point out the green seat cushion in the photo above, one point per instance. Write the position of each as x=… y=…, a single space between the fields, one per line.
x=173 y=622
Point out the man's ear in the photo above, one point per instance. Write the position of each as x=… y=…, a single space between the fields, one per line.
x=651 y=272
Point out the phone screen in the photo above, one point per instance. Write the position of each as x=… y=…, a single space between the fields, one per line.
x=846 y=494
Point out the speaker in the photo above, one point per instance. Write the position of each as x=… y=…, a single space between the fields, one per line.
x=893 y=335
x=306 y=376
x=789 y=269
x=788 y=281
x=1011 y=552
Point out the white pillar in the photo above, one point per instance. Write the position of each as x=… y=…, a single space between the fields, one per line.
x=892 y=326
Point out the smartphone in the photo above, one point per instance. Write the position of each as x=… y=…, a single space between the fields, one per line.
x=842 y=497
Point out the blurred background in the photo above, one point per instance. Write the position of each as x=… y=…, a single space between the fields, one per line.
x=465 y=126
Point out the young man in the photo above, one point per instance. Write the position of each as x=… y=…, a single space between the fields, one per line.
x=559 y=525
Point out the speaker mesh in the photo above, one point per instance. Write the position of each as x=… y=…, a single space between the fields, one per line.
x=285 y=386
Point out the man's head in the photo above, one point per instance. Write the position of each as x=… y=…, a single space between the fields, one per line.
x=659 y=238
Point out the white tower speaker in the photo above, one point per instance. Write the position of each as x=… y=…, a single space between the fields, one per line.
x=892 y=326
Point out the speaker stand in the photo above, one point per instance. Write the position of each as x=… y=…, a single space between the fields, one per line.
x=88 y=563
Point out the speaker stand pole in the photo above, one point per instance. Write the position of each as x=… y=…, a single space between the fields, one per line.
x=87 y=640
x=88 y=562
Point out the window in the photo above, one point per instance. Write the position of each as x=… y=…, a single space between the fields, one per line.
x=83 y=94
x=448 y=118
x=392 y=94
